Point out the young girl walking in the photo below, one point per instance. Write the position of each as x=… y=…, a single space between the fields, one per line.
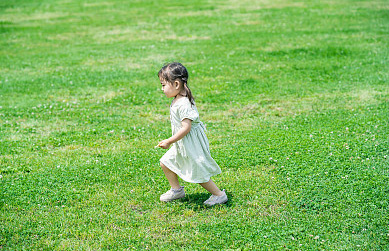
x=189 y=157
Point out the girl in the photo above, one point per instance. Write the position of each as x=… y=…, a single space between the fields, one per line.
x=189 y=157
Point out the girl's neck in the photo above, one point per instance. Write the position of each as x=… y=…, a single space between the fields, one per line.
x=180 y=96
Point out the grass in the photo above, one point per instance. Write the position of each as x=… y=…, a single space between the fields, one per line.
x=294 y=95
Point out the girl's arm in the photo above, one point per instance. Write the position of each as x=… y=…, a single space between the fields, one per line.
x=185 y=129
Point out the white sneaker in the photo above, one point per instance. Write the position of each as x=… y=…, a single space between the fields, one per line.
x=173 y=194
x=213 y=200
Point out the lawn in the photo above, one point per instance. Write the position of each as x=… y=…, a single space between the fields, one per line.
x=294 y=94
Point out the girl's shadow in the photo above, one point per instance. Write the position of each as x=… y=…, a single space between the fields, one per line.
x=195 y=201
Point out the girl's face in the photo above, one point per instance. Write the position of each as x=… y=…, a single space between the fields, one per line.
x=170 y=89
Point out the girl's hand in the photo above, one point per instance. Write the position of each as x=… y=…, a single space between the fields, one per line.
x=164 y=144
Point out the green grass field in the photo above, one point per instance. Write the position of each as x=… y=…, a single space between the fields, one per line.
x=294 y=95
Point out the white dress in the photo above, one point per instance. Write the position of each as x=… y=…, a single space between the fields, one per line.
x=189 y=157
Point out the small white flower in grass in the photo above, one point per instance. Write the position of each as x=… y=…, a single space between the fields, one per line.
x=311 y=135
x=1 y=176
x=316 y=237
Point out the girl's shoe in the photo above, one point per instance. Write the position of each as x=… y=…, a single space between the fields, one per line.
x=173 y=194
x=213 y=200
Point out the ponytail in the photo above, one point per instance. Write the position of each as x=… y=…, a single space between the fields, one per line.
x=189 y=94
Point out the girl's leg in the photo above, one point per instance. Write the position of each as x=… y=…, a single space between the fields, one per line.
x=211 y=187
x=171 y=177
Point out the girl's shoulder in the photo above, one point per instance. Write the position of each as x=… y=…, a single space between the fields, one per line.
x=182 y=102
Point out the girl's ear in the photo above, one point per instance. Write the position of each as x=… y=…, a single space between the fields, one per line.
x=177 y=84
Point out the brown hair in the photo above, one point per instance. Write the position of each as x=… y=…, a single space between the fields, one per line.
x=176 y=71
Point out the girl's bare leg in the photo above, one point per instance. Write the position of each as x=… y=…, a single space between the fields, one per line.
x=171 y=177
x=211 y=187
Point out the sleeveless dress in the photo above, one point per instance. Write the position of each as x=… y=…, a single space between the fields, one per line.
x=189 y=157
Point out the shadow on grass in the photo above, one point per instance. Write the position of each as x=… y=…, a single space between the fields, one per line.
x=196 y=201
